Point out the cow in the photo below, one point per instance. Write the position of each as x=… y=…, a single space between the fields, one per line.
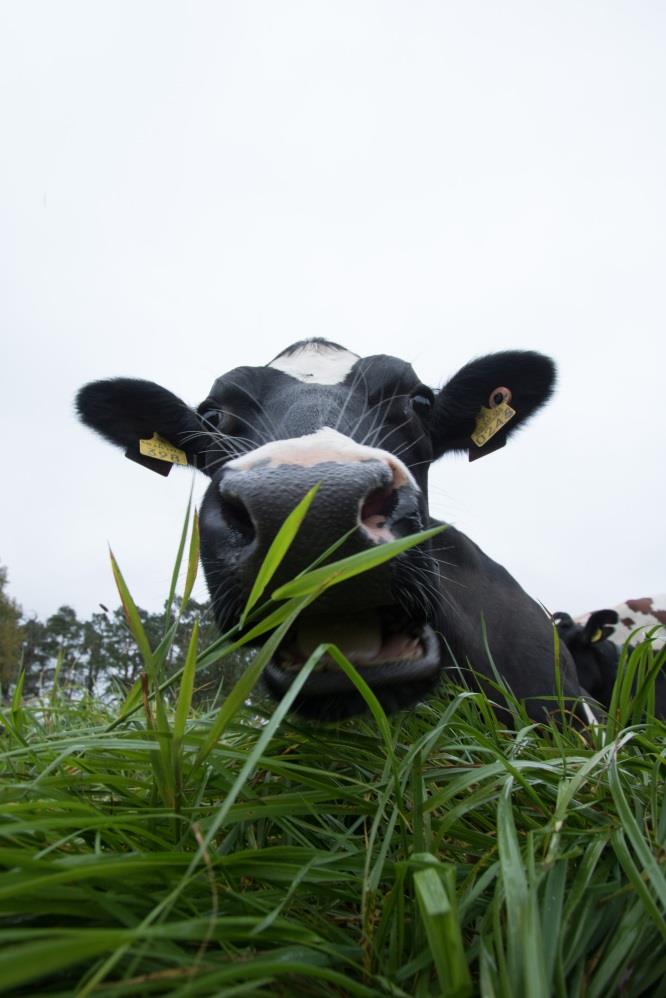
x=596 y=639
x=365 y=430
x=636 y=619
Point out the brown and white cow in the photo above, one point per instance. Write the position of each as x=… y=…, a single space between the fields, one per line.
x=636 y=618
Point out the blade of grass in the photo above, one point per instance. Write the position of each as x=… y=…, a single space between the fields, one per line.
x=184 y=701
x=436 y=901
x=179 y=558
x=17 y=696
x=131 y=703
x=364 y=689
x=132 y=617
x=536 y=982
x=346 y=568
x=163 y=733
x=632 y=872
x=278 y=549
x=319 y=560
x=643 y=852
x=514 y=883
x=18 y=964
x=551 y=915
x=192 y=561
x=247 y=681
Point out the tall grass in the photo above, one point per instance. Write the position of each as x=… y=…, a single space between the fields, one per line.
x=157 y=850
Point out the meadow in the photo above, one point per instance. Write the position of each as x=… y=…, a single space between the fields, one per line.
x=151 y=847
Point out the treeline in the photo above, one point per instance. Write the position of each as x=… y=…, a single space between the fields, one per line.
x=98 y=655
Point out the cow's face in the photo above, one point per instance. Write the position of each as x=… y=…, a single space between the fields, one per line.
x=366 y=430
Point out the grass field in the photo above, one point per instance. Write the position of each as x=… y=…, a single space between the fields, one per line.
x=148 y=849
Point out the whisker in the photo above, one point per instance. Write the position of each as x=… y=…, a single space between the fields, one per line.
x=359 y=376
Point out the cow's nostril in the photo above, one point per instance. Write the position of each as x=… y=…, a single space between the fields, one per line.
x=375 y=510
x=380 y=502
x=237 y=517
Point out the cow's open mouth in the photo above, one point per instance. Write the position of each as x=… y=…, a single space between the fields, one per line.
x=384 y=644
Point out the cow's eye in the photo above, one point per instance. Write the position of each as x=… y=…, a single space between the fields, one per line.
x=210 y=418
x=422 y=401
x=218 y=419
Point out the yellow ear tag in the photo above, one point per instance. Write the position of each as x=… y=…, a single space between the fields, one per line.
x=490 y=421
x=597 y=636
x=162 y=450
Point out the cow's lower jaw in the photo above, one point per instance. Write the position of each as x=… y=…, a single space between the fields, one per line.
x=390 y=652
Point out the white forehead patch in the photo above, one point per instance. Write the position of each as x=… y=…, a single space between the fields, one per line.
x=326 y=444
x=317 y=363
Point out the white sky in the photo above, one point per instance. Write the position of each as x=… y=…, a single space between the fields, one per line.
x=186 y=187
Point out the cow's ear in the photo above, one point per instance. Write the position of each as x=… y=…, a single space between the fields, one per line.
x=153 y=426
x=599 y=626
x=488 y=399
x=566 y=627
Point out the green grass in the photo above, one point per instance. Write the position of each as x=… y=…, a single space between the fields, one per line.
x=155 y=850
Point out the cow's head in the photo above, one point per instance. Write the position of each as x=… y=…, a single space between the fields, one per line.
x=595 y=655
x=366 y=429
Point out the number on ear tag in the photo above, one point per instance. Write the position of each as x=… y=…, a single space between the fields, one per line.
x=490 y=421
x=162 y=450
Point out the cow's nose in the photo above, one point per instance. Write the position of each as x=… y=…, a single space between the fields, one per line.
x=255 y=503
x=364 y=497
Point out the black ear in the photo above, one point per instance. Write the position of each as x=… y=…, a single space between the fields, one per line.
x=566 y=627
x=599 y=625
x=126 y=411
x=480 y=396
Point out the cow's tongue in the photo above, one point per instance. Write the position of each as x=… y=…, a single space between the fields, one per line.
x=359 y=637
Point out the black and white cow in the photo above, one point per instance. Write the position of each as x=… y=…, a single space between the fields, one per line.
x=595 y=641
x=366 y=429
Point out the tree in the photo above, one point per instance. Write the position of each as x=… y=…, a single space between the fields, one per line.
x=101 y=656
x=97 y=662
x=34 y=658
x=10 y=634
x=64 y=633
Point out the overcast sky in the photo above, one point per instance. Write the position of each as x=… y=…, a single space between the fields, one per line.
x=186 y=187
